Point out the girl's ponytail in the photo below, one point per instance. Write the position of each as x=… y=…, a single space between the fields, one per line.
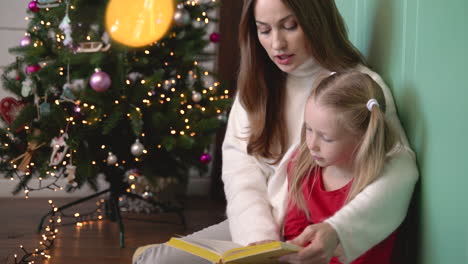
x=370 y=156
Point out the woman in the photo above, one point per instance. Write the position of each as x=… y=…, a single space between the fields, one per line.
x=285 y=45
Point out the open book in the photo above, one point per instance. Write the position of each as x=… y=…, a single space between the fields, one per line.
x=220 y=252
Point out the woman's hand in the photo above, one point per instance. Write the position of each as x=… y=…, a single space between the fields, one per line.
x=323 y=243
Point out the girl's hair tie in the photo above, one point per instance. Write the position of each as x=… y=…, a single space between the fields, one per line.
x=371 y=103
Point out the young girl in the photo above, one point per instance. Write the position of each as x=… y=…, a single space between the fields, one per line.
x=345 y=143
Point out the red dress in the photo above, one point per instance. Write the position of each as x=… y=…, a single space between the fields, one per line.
x=322 y=204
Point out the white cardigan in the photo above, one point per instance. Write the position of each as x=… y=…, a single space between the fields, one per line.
x=256 y=191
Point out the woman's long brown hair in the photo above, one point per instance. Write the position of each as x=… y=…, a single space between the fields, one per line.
x=261 y=84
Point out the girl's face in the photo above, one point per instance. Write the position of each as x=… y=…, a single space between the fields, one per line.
x=329 y=143
x=281 y=35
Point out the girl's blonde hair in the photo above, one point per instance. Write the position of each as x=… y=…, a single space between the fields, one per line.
x=261 y=84
x=348 y=94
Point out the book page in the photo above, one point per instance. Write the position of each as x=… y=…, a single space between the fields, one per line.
x=262 y=253
x=217 y=246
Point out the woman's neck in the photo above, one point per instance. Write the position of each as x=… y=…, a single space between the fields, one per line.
x=306 y=69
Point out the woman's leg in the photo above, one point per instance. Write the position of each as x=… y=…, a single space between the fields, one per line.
x=162 y=254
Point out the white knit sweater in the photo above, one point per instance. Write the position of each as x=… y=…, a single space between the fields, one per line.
x=256 y=191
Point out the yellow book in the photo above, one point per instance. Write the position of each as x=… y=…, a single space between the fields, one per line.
x=223 y=252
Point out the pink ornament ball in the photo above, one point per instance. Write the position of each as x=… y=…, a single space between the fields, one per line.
x=214 y=37
x=33 y=6
x=205 y=158
x=100 y=81
x=33 y=68
x=25 y=41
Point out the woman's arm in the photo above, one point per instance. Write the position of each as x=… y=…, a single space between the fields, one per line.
x=245 y=185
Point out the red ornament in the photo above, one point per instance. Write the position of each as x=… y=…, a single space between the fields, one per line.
x=32 y=68
x=33 y=6
x=205 y=158
x=214 y=37
x=10 y=108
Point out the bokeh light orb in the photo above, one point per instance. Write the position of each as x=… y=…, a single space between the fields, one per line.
x=139 y=23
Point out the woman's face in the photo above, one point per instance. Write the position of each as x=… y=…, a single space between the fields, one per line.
x=281 y=35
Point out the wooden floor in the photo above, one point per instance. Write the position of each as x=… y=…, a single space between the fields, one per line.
x=96 y=242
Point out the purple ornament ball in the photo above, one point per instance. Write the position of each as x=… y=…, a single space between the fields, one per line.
x=33 y=68
x=25 y=41
x=77 y=109
x=100 y=81
x=33 y=6
x=205 y=158
x=214 y=37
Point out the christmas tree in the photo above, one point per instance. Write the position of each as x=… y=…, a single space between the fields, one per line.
x=86 y=104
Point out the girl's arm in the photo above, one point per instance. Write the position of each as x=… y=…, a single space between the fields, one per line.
x=245 y=185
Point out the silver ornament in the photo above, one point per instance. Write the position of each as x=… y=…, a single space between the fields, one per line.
x=181 y=17
x=196 y=97
x=137 y=148
x=222 y=117
x=111 y=159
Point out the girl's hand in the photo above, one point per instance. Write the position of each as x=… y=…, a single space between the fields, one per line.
x=323 y=243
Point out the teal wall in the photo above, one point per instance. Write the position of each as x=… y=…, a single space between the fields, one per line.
x=420 y=49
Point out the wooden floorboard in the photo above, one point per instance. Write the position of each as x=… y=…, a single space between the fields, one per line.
x=97 y=241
